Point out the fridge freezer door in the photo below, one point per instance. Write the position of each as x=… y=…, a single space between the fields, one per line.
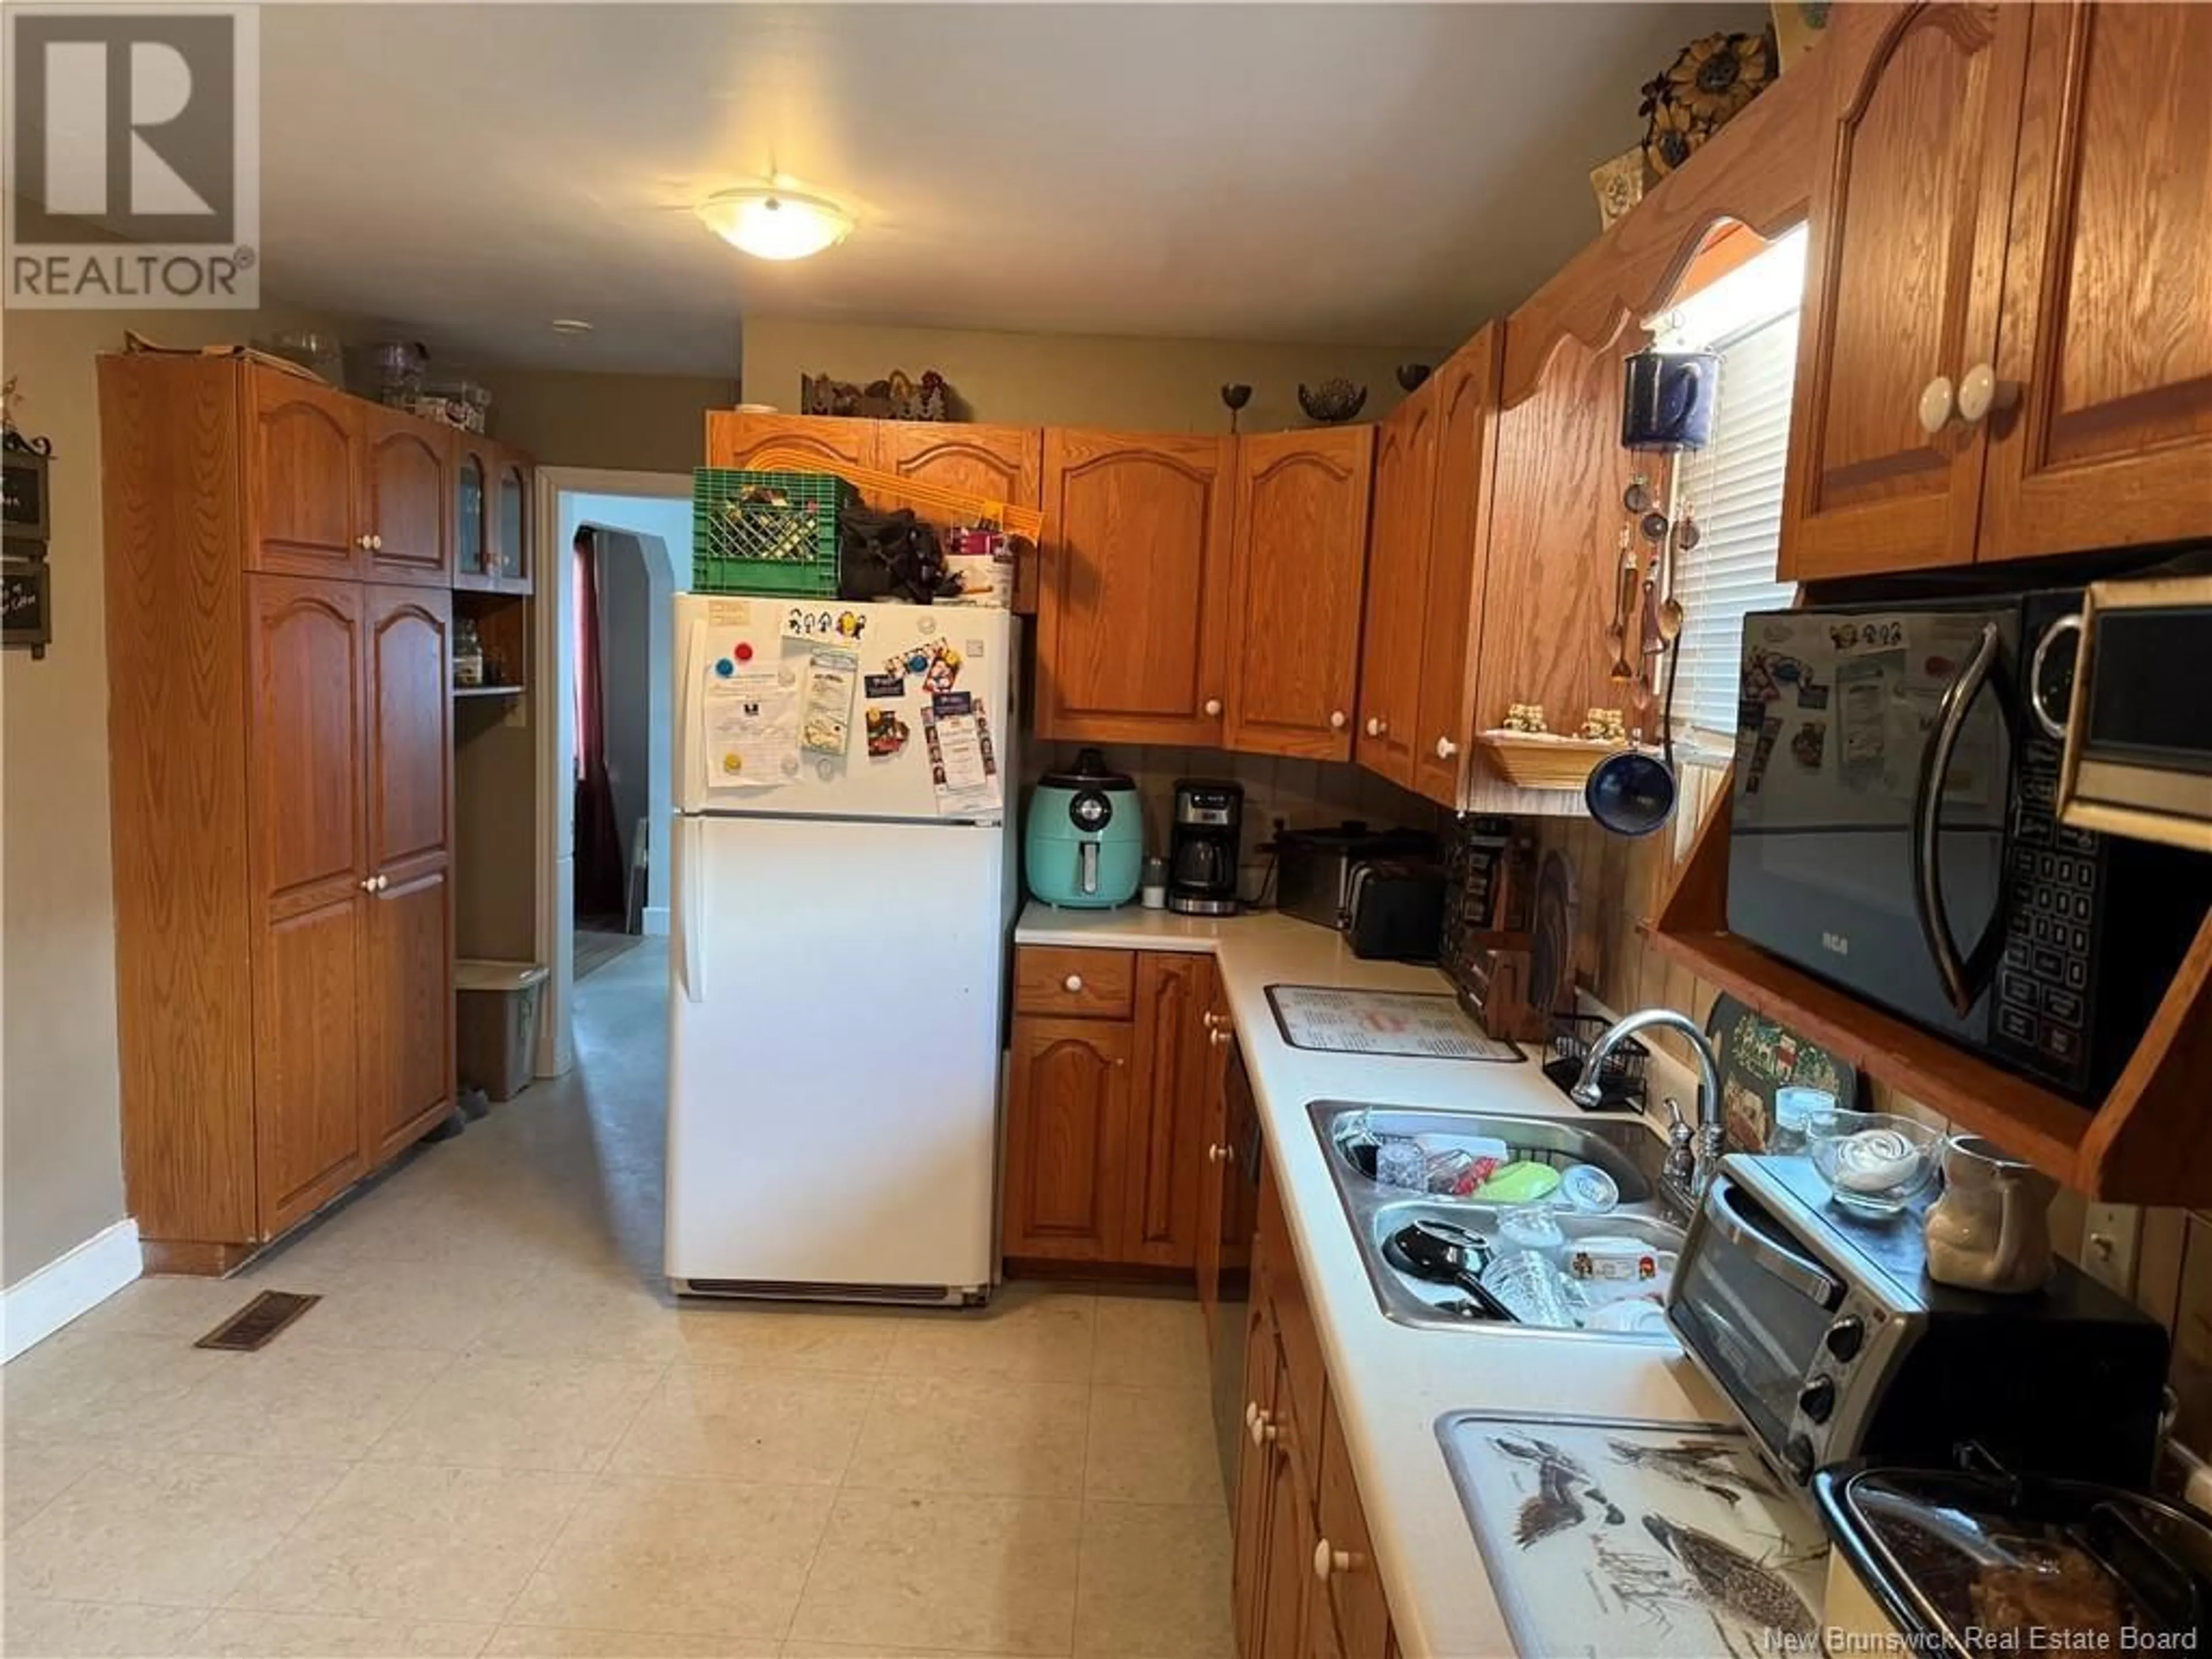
x=834 y=1089
x=907 y=653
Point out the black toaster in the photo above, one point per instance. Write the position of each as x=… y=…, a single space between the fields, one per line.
x=1314 y=867
x=1396 y=909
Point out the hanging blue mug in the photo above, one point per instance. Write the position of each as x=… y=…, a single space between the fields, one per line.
x=1666 y=402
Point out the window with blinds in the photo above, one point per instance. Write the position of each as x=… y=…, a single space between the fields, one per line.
x=1734 y=487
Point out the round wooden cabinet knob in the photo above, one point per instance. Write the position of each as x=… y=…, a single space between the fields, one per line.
x=1072 y=984
x=1221 y=1039
x=1216 y=1153
x=1214 y=705
x=1980 y=391
x=1327 y=1561
x=1336 y=720
x=1446 y=749
x=1263 y=1432
x=1936 y=404
x=1211 y=1019
x=1373 y=726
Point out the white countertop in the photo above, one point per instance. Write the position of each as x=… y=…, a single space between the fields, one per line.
x=1390 y=1382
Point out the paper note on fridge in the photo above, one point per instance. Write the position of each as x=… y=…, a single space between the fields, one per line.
x=752 y=730
x=964 y=765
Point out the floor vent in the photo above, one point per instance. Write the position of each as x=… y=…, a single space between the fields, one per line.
x=256 y=1324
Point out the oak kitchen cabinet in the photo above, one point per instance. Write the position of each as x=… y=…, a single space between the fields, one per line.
x=735 y=436
x=1304 y=1580
x=1297 y=572
x=1001 y=463
x=1397 y=577
x=280 y=771
x=1115 y=1056
x=346 y=487
x=997 y=462
x=495 y=499
x=1998 y=362
x=1133 y=588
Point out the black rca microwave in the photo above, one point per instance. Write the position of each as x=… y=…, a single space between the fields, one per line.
x=1895 y=827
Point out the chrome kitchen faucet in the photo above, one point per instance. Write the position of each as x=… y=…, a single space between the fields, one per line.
x=1711 y=1139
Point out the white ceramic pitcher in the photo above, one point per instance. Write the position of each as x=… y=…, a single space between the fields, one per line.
x=1991 y=1229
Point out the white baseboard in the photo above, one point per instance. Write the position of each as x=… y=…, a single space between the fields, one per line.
x=35 y=1307
x=654 y=919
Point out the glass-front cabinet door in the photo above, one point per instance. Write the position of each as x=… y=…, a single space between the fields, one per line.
x=511 y=559
x=473 y=566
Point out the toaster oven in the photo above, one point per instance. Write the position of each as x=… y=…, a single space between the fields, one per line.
x=1827 y=1336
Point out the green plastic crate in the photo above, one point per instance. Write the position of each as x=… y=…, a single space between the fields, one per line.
x=765 y=533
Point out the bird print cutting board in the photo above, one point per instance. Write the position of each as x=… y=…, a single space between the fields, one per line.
x=1624 y=1539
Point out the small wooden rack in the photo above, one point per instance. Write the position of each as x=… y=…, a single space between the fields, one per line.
x=2145 y=1143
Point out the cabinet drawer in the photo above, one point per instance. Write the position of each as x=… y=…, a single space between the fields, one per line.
x=1074 y=984
x=1353 y=1591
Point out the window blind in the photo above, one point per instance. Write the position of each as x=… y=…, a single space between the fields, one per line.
x=1735 y=487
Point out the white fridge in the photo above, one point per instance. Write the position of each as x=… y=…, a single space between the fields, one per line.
x=842 y=896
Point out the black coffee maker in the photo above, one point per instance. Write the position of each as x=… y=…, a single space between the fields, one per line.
x=1207 y=828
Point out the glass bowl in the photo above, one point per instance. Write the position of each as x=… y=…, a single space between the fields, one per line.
x=1875 y=1162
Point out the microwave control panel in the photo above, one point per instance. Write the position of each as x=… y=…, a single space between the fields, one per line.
x=2039 y=1014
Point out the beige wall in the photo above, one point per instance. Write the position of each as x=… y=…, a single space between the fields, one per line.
x=1071 y=379
x=637 y=423
x=58 y=1078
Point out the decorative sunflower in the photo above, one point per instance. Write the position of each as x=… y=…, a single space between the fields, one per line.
x=1673 y=136
x=1709 y=82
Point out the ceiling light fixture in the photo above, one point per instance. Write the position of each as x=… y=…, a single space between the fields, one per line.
x=570 y=326
x=770 y=223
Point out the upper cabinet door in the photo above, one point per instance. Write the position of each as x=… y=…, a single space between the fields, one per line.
x=472 y=485
x=302 y=505
x=1459 y=543
x=513 y=484
x=1903 y=283
x=1003 y=464
x=406 y=497
x=1299 y=570
x=1134 y=588
x=2104 y=354
x=735 y=439
x=1397 y=577
x=1551 y=567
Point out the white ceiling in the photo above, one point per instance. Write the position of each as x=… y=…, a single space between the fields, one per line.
x=1354 y=173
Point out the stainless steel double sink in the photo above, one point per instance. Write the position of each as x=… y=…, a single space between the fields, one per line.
x=1649 y=1211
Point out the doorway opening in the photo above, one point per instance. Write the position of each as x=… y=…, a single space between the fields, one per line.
x=618 y=550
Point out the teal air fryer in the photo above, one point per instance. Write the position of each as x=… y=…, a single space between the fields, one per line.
x=1085 y=846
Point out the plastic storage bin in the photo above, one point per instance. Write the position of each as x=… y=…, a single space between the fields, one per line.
x=496 y=1024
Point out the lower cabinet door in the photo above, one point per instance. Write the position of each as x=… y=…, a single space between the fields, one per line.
x=1350 y=1597
x=307 y=1058
x=1067 y=1132
x=1177 y=1064
x=1288 y=1604
x=1248 y=1562
x=408 y=1068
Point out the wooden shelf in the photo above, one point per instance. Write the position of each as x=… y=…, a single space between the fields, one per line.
x=2144 y=1143
x=488 y=690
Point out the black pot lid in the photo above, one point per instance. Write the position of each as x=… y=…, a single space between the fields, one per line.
x=1961 y=1561
x=1089 y=772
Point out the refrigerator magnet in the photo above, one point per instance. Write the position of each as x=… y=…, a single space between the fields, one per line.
x=887 y=733
x=883 y=685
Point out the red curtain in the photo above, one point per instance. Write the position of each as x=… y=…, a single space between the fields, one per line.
x=599 y=873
